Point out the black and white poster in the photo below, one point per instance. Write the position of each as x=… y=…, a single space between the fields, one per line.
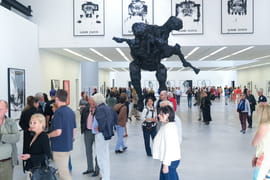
x=16 y=92
x=55 y=84
x=237 y=16
x=191 y=13
x=136 y=11
x=88 y=17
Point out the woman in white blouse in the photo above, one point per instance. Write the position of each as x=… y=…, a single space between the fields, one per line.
x=261 y=141
x=166 y=146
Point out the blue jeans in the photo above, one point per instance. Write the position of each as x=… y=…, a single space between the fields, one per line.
x=189 y=99
x=120 y=133
x=172 y=174
x=146 y=135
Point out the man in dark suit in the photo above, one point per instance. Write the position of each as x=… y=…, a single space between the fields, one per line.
x=252 y=103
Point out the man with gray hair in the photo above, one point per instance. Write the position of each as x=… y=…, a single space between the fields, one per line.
x=41 y=102
x=261 y=98
x=104 y=121
x=163 y=96
x=9 y=136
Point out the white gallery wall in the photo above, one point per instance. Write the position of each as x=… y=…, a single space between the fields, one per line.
x=19 y=49
x=219 y=78
x=55 y=20
x=258 y=76
x=104 y=80
x=60 y=68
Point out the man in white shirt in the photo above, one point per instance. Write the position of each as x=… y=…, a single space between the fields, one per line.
x=178 y=94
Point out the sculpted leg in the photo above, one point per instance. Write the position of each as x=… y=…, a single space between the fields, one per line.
x=161 y=75
x=135 y=76
x=177 y=51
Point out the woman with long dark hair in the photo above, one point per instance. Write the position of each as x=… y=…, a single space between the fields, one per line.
x=29 y=110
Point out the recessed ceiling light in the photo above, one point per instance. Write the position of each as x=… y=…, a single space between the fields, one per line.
x=263 y=57
x=237 y=52
x=213 y=53
x=215 y=69
x=181 y=69
x=252 y=66
x=113 y=70
x=101 y=55
x=122 y=54
x=79 y=55
x=191 y=52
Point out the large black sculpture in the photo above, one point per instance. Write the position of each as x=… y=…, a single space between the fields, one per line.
x=148 y=48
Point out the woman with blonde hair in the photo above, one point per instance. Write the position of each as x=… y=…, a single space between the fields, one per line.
x=39 y=149
x=261 y=141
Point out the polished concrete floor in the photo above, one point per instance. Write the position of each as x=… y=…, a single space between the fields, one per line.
x=209 y=152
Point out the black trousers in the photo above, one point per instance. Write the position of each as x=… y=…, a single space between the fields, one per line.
x=249 y=119
x=147 y=133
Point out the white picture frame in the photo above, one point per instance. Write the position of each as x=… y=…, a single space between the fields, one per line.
x=136 y=12
x=88 y=18
x=191 y=13
x=237 y=18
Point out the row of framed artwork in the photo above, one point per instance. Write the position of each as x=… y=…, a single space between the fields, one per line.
x=236 y=16
x=16 y=91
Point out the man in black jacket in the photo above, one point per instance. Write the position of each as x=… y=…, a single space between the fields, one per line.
x=252 y=103
x=89 y=138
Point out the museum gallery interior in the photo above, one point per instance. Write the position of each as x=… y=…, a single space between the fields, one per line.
x=80 y=45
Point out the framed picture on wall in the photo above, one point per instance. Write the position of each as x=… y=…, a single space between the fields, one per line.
x=191 y=13
x=249 y=85
x=16 y=92
x=136 y=11
x=55 y=84
x=237 y=17
x=88 y=18
x=66 y=87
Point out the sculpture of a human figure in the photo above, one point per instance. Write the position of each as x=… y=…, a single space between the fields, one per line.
x=148 y=48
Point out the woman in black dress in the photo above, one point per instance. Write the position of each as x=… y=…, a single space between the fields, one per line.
x=205 y=107
x=29 y=110
x=39 y=147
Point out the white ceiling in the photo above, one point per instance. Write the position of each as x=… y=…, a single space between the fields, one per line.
x=249 y=57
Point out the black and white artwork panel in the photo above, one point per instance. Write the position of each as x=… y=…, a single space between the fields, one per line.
x=16 y=92
x=191 y=13
x=88 y=17
x=139 y=11
x=237 y=16
x=55 y=84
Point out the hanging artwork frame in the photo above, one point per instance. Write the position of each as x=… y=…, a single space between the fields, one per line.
x=16 y=92
x=141 y=11
x=237 y=17
x=88 y=18
x=191 y=13
x=55 y=84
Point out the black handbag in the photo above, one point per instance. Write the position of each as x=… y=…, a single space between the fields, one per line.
x=44 y=172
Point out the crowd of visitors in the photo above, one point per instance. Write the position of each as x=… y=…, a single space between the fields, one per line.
x=49 y=128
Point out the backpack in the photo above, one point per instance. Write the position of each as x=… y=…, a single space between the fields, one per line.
x=241 y=105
